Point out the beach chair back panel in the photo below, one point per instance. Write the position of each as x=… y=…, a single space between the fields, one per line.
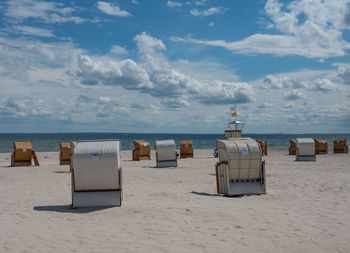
x=143 y=147
x=166 y=150
x=96 y=165
x=186 y=147
x=66 y=150
x=22 y=150
x=243 y=156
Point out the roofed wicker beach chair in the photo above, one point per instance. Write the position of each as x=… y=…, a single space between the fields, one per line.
x=339 y=146
x=22 y=154
x=142 y=150
x=263 y=146
x=305 y=150
x=321 y=146
x=186 y=149
x=240 y=169
x=65 y=153
x=292 y=147
x=166 y=153
x=96 y=174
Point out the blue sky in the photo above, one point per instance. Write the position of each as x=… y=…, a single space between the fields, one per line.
x=174 y=66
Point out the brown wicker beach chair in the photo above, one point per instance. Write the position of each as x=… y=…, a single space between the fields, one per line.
x=142 y=150
x=186 y=149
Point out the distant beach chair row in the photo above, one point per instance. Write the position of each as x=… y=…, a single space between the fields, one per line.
x=142 y=149
x=320 y=146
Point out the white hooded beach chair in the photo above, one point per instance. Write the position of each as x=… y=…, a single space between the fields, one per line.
x=240 y=169
x=96 y=174
x=305 y=150
x=166 y=153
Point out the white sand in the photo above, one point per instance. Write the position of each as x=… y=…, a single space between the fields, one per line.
x=306 y=209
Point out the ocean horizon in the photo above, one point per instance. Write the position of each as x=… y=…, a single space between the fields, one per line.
x=49 y=142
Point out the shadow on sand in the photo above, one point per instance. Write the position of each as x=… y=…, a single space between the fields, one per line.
x=61 y=171
x=68 y=209
x=219 y=195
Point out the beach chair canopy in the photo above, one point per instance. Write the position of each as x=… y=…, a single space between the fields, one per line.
x=306 y=146
x=166 y=150
x=96 y=165
x=243 y=156
x=22 y=150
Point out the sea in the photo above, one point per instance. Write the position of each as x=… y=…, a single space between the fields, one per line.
x=49 y=142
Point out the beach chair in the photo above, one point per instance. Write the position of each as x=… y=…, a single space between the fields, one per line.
x=96 y=174
x=166 y=153
x=240 y=169
x=321 y=146
x=305 y=150
x=65 y=153
x=186 y=149
x=339 y=146
x=142 y=150
x=292 y=147
x=22 y=154
x=263 y=146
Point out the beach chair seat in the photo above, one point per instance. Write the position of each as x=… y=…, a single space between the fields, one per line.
x=96 y=174
x=65 y=153
x=292 y=147
x=166 y=153
x=263 y=146
x=186 y=149
x=240 y=169
x=23 y=154
x=305 y=150
x=142 y=150
x=321 y=146
x=339 y=146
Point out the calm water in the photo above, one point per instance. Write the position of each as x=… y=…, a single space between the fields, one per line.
x=49 y=141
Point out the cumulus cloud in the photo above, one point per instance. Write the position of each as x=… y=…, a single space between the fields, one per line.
x=48 y=12
x=324 y=85
x=273 y=82
x=221 y=92
x=294 y=95
x=208 y=12
x=343 y=74
x=156 y=76
x=126 y=73
x=311 y=29
x=112 y=9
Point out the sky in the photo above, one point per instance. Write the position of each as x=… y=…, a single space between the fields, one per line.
x=166 y=66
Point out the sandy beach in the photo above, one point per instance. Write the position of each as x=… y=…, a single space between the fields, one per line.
x=306 y=208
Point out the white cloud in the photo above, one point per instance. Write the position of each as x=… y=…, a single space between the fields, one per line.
x=112 y=9
x=118 y=50
x=208 y=12
x=33 y=31
x=135 y=2
x=156 y=75
x=175 y=103
x=324 y=85
x=126 y=73
x=273 y=82
x=211 y=24
x=307 y=28
x=48 y=12
x=294 y=95
x=173 y=4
